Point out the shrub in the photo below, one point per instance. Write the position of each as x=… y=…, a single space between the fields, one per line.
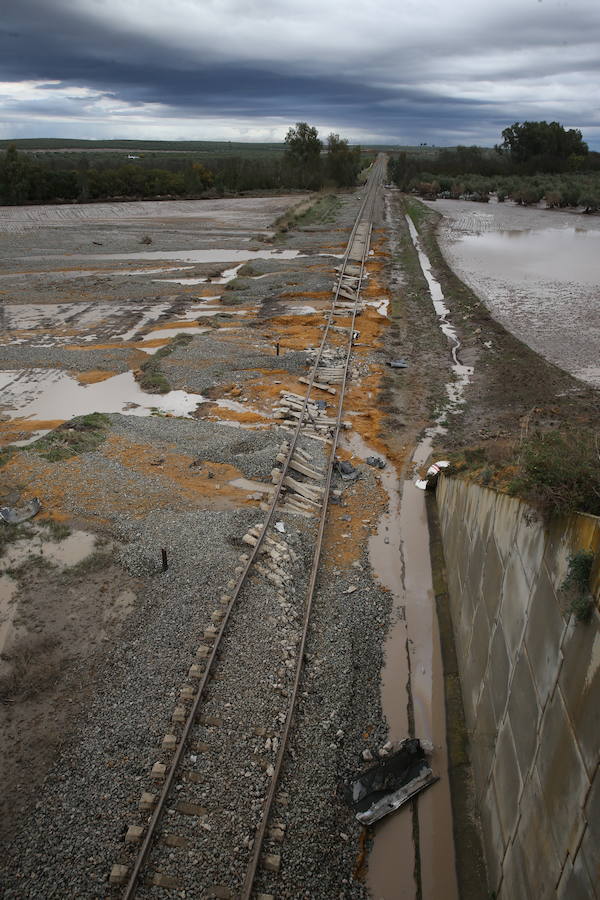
x=560 y=472
x=577 y=584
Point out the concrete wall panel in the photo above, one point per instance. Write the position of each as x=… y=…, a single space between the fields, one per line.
x=530 y=678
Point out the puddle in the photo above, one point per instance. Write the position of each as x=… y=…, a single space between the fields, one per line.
x=53 y=394
x=190 y=256
x=173 y=332
x=179 y=280
x=301 y=310
x=225 y=277
x=151 y=315
x=381 y=305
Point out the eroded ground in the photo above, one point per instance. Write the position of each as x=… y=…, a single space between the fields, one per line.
x=93 y=645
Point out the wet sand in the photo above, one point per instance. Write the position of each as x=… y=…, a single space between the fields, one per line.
x=536 y=270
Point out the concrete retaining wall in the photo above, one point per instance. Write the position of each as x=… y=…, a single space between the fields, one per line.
x=530 y=677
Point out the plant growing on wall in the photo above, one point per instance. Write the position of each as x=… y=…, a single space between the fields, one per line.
x=577 y=585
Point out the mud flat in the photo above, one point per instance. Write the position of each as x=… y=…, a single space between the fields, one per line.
x=537 y=271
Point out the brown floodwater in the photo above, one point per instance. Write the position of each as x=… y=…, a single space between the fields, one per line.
x=537 y=270
x=412 y=675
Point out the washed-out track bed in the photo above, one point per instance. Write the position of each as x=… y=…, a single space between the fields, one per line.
x=211 y=817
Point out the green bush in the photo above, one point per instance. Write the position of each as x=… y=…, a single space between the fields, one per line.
x=560 y=472
x=577 y=584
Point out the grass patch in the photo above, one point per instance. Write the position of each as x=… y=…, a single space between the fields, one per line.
x=149 y=377
x=83 y=434
x=318 y=209
x=154 y=383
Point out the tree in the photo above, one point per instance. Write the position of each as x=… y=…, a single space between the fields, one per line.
x=544 y=145
x=342 y=163
x=15 y=178
x=303 y=155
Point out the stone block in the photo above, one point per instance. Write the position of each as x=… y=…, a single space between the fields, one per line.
x=543 y=635
x=590 y=852
x=483 y=740
x=530 y=539
x=493 y=842
x=562 y=774
x=575 y=883
x=541 y=864
x=524 y=713
x=271 y=862
x=499 y=672
x=469 y=515
x=580 y=685
x=134 y=834
x=146 y=801
x=477 y=658
x=515 y=600
x=475 y=569
x=169 y=742
x=558 y=549
x=507 y=781
x=514 y=882
x=506 y=518
x=590 y=845
x=158 y=772
x=493 y=576
x=486 y=513
x=118 y=874
x=460 y=561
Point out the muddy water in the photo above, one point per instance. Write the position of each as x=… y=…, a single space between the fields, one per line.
x=186 y=255
x=391 y=861
x=63 y=553
x=48 y=394
x=412 y=686
x=538 y=273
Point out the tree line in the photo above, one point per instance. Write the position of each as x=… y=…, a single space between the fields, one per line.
x=306 y=163
x=537 y=161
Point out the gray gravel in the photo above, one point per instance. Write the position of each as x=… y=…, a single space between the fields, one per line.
x=67 y=845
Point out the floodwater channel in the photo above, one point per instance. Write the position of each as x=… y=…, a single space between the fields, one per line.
x=536 y=270
x=412 y=684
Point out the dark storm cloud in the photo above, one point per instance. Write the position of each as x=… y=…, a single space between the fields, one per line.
x=418 y=71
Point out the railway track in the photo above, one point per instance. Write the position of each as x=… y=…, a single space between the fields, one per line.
x=277 y=586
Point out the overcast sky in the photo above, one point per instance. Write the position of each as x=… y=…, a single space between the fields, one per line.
x=410 y=71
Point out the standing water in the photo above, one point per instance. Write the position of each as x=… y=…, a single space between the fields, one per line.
x=412 y=689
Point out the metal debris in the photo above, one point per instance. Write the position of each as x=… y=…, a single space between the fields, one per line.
x=397 y=364
x=431 y=477
x=13 y=515
x=388 y=785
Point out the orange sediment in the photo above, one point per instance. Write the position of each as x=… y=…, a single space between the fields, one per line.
x=21 y=429
x=94 y=376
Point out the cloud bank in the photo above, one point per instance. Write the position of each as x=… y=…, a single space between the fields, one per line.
x=432 y=71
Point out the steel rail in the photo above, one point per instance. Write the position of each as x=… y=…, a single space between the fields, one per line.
x=250 y=877
x=161 y=802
